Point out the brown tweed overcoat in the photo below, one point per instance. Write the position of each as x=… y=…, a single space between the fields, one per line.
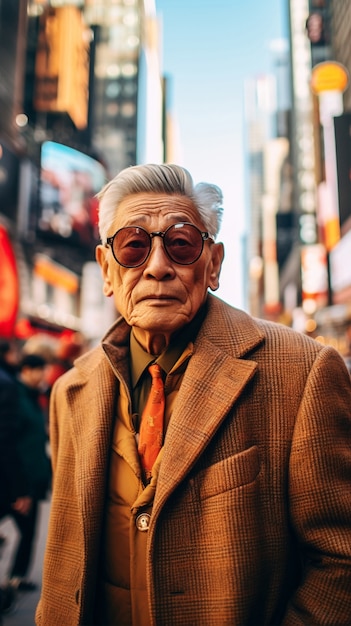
x=251 y=521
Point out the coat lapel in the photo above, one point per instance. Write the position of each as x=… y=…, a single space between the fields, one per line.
x=212 y=383
x=93 y=398
x=92 y=422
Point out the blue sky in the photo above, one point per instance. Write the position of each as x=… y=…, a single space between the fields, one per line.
x=209 y=49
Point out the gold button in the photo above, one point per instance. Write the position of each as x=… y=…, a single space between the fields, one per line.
x=143 y=522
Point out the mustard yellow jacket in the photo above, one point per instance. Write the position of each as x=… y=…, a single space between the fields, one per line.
x=251 y=522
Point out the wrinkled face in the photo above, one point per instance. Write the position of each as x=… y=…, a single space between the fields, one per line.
x=160 y=296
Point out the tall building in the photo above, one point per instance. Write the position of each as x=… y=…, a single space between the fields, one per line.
x=320 y=146
x=334 y=322
x=269 y=227
x=260 y=107
x=303 y=143
x=341 y=34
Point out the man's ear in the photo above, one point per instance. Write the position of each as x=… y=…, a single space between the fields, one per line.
x=102 y=257
x=217 y=260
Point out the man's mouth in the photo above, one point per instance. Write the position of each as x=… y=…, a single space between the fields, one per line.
x=160 y=297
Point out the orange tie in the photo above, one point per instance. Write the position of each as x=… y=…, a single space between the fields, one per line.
x=151 y=426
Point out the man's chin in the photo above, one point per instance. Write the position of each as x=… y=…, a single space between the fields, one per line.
x=167 y=319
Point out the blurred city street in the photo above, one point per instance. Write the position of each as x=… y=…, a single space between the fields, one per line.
x=24 y=610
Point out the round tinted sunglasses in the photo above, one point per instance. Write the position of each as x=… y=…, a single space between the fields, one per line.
x=182 y=242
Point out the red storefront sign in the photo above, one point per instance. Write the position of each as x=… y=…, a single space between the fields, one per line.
x=9 y=296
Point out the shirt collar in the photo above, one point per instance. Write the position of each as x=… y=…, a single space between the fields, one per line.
x=141 y=359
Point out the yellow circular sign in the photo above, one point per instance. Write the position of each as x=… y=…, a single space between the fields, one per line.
x=329 y=76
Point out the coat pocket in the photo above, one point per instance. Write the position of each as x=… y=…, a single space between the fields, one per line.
x=232 y=473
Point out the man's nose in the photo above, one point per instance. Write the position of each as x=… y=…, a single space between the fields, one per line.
x=158 y=264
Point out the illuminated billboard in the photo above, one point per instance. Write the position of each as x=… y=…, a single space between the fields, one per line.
x=62 y=64
x=69 y=181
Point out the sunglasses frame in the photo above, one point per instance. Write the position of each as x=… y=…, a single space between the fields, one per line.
x=204 y=237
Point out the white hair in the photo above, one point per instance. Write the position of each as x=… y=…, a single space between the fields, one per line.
x=169 y=179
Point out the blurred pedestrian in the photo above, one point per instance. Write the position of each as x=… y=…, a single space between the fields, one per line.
x=32 y=449
x=69 y=348
x=14 y=482
x=14 y=485
x=45 y=346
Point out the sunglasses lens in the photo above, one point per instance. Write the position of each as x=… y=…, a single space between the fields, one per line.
x=131 y=246
x=183 y=243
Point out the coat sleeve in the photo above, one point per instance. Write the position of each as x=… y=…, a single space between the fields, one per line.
x=320 y=495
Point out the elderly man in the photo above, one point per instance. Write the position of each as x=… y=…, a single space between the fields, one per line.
x=212 y=488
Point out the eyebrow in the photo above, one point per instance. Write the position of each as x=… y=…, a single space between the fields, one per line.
x=171 y=218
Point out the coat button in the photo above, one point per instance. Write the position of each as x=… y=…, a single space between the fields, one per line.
x=143 y=522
